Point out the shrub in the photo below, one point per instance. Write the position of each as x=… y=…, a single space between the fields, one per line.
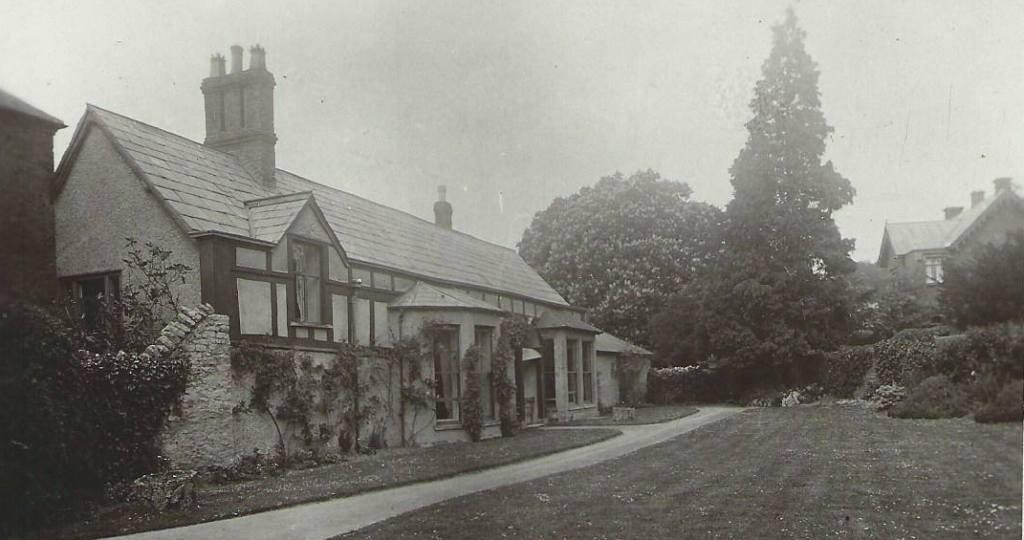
x=905 y=358
x=936 y=397
x=845 y=369
x=1007 y=406
x=683 y=385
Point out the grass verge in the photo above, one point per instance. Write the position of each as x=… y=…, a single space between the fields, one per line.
x=385 y=469
x=802 y=472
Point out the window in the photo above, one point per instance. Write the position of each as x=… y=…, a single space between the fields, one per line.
x=933 y=270
x=91 y=292
x=403 y=284
x=365 y=277
x=548 y=359
x=588 y=372
x=381 y=332
x=305 y=263
x=572 y=363
x=446 y=373
x=485 y=343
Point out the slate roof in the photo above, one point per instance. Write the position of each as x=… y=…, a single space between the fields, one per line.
x=560 y=319
x=8 y=102
x=939 y=234
x=608 y=343
x=270 y=218
x=207 y=189
x=423 y=295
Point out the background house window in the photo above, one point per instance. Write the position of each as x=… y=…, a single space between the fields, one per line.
x=484 y=341
x=572 y=363
x=446 y=374
x=588 y=372
x=933 y=270
x=305 y=261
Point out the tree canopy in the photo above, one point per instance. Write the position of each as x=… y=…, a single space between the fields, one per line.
x=777 y=291
x=987 y=288
x=621 y=247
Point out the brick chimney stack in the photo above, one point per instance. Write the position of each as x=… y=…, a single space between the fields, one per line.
x=236 y=59
x=240 y=112
x=977 y=197
x=217 y=65
x=442 y=209
x=952 y=211
x=1003 y=184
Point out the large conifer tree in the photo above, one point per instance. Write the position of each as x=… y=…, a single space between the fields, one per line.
x=777 y=292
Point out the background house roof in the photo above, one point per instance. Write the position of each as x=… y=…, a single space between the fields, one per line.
x=208 y=189
x=9 y=102
x=940 y=234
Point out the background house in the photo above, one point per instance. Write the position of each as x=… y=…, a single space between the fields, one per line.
x=301 y=265
x=27 y=268
x=919 y=250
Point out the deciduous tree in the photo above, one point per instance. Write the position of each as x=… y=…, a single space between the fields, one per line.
x=621 y=247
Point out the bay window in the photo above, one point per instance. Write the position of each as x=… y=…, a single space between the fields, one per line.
x=447 y=385
x=485 y=344
x=588 y=372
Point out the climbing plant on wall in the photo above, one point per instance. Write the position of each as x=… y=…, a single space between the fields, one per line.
x=514 y=331
x=471 y=410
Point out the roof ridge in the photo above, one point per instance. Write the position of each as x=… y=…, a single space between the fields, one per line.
x=282 y=198
x=162 y=130
x=414 y=216
x=179 y=136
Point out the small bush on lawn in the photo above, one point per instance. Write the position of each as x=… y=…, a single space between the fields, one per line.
x=936 y=397
x=845 y=369
x=1007 y=406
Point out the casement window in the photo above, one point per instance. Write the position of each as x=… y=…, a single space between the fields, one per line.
x=588 y=371
x=548 y=371
x=484 y=341
x=572 y=363
x=447 y=379
x=92 y=291
x=306 y=265
x=933 y=270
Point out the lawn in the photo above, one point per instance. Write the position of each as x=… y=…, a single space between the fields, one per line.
x=644 y=415
x=385 y=469
x=805 y=472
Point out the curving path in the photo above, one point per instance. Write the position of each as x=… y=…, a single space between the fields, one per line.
x=336 y=516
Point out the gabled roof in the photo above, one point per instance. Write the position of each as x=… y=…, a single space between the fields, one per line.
x=206 y=190
x=8 y=102
x=940 y=234
x=551 y=319
x=608 y=343
x=425 y=296
x=270 y=218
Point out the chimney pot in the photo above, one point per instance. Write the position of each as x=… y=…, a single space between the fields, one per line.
x=1003 y=184
x=442 y=209
x=977 y=197
x=257 y=58
x=236 y=59
x=952 y=211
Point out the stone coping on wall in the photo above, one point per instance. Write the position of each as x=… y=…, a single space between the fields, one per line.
x=184 y=322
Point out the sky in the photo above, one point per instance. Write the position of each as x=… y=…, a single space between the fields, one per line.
x=511 y=104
